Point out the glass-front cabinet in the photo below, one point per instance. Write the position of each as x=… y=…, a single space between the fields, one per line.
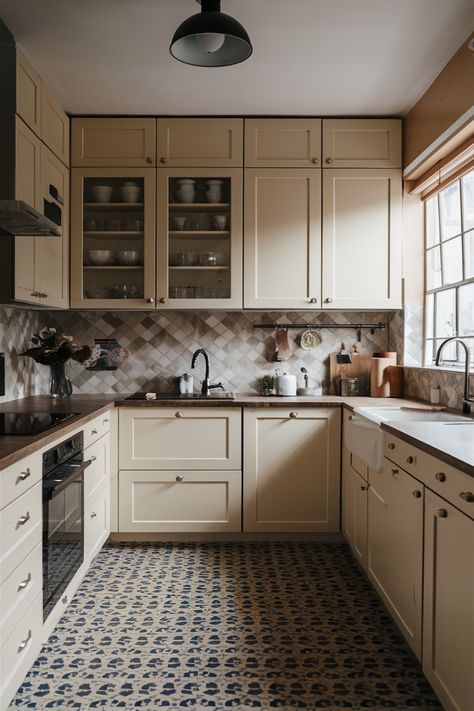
x=199 y=258
x=113 y=238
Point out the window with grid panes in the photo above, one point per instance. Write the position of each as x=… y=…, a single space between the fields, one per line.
x=449 y=264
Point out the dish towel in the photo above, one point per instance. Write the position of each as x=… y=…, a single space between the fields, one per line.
x=282 y=347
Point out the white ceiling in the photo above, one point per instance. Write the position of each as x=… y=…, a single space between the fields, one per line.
x=320 y=57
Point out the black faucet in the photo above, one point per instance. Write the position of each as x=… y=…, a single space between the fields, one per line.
x=467 y=399
x=206 y=386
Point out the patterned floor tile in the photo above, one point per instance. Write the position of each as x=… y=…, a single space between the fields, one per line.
x=248 y=625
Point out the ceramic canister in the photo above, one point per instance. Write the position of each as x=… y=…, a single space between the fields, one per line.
x=285 y=385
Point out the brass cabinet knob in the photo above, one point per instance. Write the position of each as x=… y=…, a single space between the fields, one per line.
x=328 y=300
x=149 y=159
x=467 y=496
x=391 y=445
x=410 y=459
x=163 y=300
x=34 y=293
x=442 y=513
x=179 y=477
x=163 y=159
x=293 y=415
x=151 y=300
x=329 y=161
x=416 y=493
x=315 y=160
x=362 y=487
x=313 y=300
x=440 y=476
x=179 y=414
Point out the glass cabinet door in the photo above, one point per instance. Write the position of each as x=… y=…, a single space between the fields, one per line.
x=199 y=238
x=113 y=238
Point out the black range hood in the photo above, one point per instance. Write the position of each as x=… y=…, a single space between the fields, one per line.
x=18 y=219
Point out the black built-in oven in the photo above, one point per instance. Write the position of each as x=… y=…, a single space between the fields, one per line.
x=63 y=517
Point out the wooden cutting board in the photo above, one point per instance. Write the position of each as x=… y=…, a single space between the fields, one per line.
x=359 y=368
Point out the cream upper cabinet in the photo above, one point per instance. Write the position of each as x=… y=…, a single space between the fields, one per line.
x=200 y=142
x=28 y=93
x=195 y=438
x=448 y=610
x=362 y=143
x=395 y=547
x=109 y=142
x=362 y=239
x=282 y=143
x=291 y=469
x=282 y=238
x=54 y=127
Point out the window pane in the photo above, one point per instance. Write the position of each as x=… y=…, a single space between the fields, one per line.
x=452 y=261
x=450 y=352
x=469 y=255
x=466 y=310
x=429 y=354
x=433 y=268
x=468 y=200
x=429 y=316
x=432 y=221
x=446 y=313
x=450 y=211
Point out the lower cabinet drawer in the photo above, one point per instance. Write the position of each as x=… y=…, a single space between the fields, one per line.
x=19 y=591
x=95 y=429
x=20 y=650
x=170 y=501
x=96 y=526
x=19 y=477
x=95 y=476
x=21 y=526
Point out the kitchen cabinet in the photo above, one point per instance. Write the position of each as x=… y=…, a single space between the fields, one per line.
x=96 y=525
x=362 y=143
x=282 y=143
x=448 y=610
x=170 y=438
x=199 y=256
x=282 y=238
x=113 y=238
x=361 y=243
x=200 y=142
x=113 y=142
x=54 y=127
x=395 y=547
x=179 y=501
x=291 y=469
x=42 y=263
x=354 y=509
x=28 y=93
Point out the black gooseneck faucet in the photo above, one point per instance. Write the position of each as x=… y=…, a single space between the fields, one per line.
x=206 y=386
x=467 y=399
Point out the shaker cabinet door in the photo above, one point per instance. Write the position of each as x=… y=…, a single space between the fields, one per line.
x=110 y=142
x=283 y=143
x=362 y=143
x=200 y=142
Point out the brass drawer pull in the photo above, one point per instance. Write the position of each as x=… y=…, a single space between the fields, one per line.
x=442 y=513
x=391 y=445
x=23 y=644
x=23 y=519
x=93 y=514
x=24 y=583
x=440 y=476
x=363 y=488
x=416 y=493
x=179 y=414
x=94 y=431
x=467 y=496
x=23 y=475
x=179 y=477
x=293 y=415
x=410 y=459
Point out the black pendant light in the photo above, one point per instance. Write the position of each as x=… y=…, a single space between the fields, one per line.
x=211 y=38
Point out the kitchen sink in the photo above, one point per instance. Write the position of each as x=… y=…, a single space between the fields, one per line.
x=180 y=396
x=396 y=414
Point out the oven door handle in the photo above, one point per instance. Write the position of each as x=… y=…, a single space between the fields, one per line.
x=68 y=480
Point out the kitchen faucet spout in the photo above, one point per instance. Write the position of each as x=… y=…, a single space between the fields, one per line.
x=467 y=399
x=206 y=385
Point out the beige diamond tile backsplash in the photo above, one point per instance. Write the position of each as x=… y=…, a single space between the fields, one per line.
x=16 y=325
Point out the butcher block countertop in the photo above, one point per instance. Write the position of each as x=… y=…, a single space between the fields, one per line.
x=13 y=447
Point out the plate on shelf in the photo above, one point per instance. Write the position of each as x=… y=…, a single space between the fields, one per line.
x=310 y=339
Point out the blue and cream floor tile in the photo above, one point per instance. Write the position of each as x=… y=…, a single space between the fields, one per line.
x=222 y=626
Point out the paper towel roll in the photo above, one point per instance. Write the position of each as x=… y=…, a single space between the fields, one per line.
x=379 y=382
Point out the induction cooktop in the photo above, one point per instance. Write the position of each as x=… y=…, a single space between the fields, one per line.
x=30 y=423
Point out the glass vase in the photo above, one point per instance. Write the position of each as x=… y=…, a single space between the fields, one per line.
x=59 y=384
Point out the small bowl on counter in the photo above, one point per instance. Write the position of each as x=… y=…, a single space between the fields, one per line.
x=100 y=257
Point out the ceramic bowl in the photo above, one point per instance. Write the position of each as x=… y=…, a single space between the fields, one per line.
x=128 y=257
x=100 y=257
x=101 y=193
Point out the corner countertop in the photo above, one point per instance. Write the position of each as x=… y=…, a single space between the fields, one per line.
x=456 y=449
x=453 y=443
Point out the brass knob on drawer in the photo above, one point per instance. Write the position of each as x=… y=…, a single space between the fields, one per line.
x=293 y=415
x=23 y=475
x=179 y=477
x=391 y=445
x=440 y=476
x=178 y=414
x=467 y=496
x=149 y=159
x=329 y=161
x=442 y=513
x=410 y=459
x=416 y=493
x=315 y=160
x=150 y=300
x=313 y=300
x=163 y=159
x=163 y=300
x=362 y=487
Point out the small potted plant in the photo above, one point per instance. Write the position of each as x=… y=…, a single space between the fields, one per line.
x=268 y=385
x=55 y=349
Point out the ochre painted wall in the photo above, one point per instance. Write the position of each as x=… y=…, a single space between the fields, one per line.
x=449 y=97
